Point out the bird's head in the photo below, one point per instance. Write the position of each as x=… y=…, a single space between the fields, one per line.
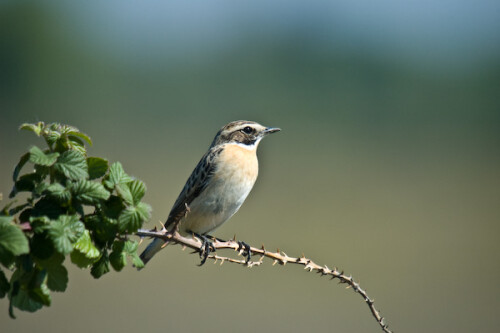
x=243 y=132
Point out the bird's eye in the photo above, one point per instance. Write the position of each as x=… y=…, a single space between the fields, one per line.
x=248 y=130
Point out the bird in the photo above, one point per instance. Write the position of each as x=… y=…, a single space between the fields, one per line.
x=218 y=185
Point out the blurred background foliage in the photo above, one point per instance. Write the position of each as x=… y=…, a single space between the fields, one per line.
x=387 y=165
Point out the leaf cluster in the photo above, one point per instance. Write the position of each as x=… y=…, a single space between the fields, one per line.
x=76 y=206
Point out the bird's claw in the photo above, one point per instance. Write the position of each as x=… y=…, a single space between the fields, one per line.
x=242 y=246
x=206 y=247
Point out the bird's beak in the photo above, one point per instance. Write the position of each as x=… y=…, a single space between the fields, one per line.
x=270 y=130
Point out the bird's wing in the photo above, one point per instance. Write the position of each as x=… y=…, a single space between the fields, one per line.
x=196 y=183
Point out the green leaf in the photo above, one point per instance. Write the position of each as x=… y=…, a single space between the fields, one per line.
x=89 y=192
x=124 y=192
x=133 y=217
x=24 y=302
x=36 y=128
x=116 y=176
x=85 y=246
x=137 y=189
x=58 y=192
x=58 y=278
x=4 y=284
x=118 y=258
x=12 y=239
x=72 y=164
x=25 y=183
x=79 y=135
x=25 y=158
x=113 y=207
x=131 y=250
x=65 y=232
x=97 y=167
x=51 y=134
x=39 y=157
x=74 y=143
x=101 y=267
x=85 y=253
x=41 y=294
x=57 y=275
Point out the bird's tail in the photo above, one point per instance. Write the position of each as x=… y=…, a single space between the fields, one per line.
x=156 y=245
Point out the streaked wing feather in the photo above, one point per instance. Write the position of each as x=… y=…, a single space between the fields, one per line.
x=196 y=183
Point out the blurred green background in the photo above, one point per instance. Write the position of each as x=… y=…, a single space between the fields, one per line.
x=387 y=165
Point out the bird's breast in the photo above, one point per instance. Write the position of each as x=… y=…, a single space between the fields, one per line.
x=234 y=176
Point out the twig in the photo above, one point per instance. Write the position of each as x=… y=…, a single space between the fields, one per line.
x=279 y=257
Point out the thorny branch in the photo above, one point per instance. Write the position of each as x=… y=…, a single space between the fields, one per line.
x=279 y=257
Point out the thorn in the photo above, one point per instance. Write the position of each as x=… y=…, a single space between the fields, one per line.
x=162 y=225
x=140 y=241
x=164 y=244
x=303 y=256
x=275 y=262
x=183 y=247
x=263 y=248
x=234 y=238
x=188 y=210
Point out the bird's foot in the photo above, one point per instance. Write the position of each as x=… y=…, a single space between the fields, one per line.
x=244 y=248
x=206 y=247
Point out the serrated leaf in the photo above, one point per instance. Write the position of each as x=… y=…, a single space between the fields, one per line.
x=101 y=267
x=72 y=164
x=133 y=217
x=51 y=135
x=24 y=302
x=137 y=189
x=57 y=274
x=116 y=176
x=131 y=250
x=79 y=135
x=65 y=232
x=76 y=144
x=58 y=278
x=35 y=128
x=124 y=192
x=25 y=183
x=12 y=239
x=22 y=161
x=97 y=167
x=85 y=246
x=89 y=192
x=40 y=294
x=37 y=156
x=118 y=258
x=113 y=207
x=136 y=261
x=58 y=192
x=85 y=253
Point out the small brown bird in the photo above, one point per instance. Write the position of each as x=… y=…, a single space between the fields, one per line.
x=219 y=184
